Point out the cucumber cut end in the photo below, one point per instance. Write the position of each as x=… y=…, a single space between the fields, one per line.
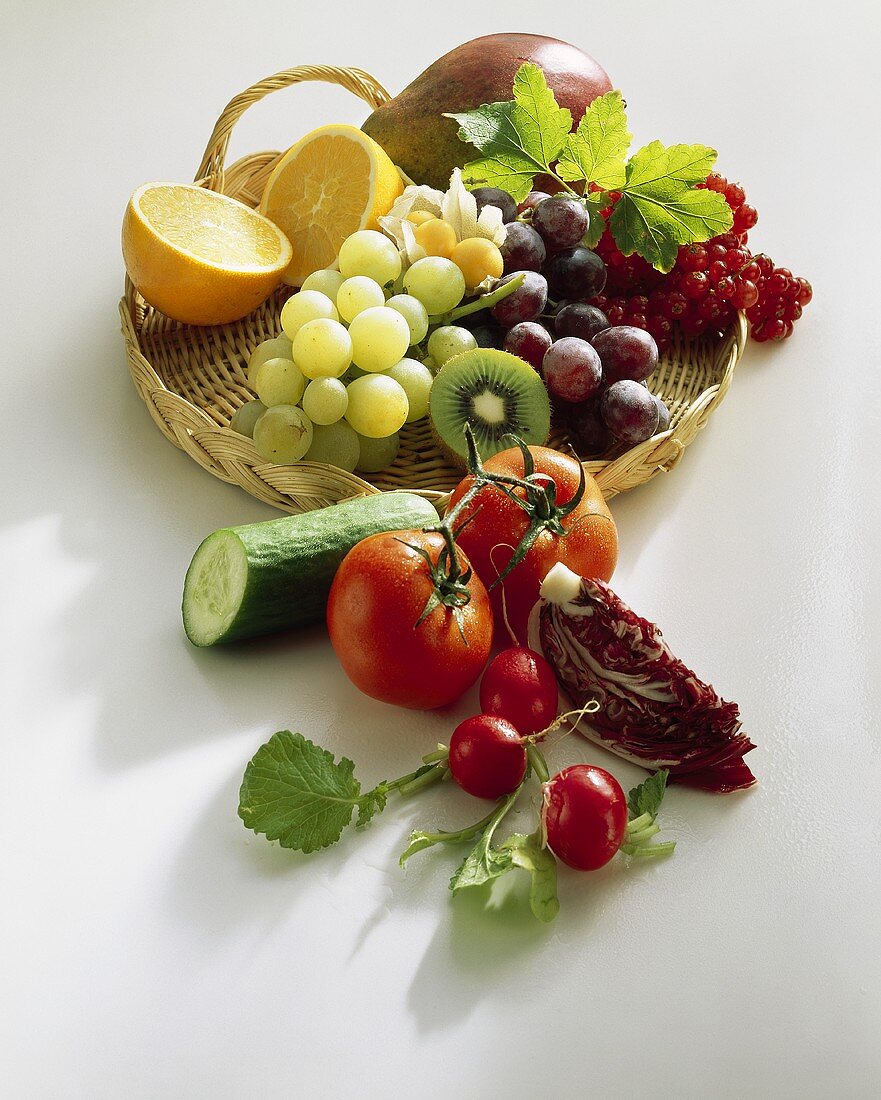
x=214 y=588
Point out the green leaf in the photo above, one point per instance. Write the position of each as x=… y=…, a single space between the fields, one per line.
x=482 y=864
x=648 y=796
x=527 y=852
x=294 y=792
x=597 y=227
x=659 y=209
x=595 y=152
x=373 y=802
x=518 y=139
x=669 y=169
x=543 y=125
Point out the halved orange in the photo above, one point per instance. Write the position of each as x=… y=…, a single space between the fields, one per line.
x=200 y=257
x=333 y=182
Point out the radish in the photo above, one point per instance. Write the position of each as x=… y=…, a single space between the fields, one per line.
x=487 y=756
x=520 y=685
x=584 y=816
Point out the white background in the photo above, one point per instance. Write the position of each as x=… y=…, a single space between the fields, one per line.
x=149 y=945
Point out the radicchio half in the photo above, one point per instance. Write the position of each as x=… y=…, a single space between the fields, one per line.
x=653 y=710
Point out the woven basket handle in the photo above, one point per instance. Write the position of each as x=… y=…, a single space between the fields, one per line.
x=363 y=85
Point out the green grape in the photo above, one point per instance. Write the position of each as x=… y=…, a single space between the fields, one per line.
x=377 y=454
x=380 y=337
x=325 y=281
x=430 y=363
x=415 y=379
x=449 y=340
x=246 y=416
x=279 y=382
x=325 y=401
x=357 y=294
x=414 y=313
x=283 y=434
x=279 y=348
x=437 y=283
x=377 y=406
x=369 y=253
x=335 y=444
x=308 y=305
x=322 y=349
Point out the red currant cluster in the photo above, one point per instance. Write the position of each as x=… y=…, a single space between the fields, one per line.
x=709 y=283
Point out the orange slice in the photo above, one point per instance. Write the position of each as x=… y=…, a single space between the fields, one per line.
x=200 y=257
x=333 y=182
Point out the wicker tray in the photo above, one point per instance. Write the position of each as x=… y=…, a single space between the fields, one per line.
x=192 y=379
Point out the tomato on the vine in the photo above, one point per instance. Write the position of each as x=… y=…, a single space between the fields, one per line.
x=584 y=538
x=409 y=626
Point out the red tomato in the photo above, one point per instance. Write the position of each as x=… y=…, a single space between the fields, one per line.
x=588 y=544
x=377 y=597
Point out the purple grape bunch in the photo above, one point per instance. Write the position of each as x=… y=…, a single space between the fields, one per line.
x=595 y=372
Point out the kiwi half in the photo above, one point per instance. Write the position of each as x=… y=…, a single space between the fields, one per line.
x=497 y=394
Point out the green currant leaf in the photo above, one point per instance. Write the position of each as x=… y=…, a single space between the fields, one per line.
x=595 y=152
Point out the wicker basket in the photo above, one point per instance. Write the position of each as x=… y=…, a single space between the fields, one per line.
x=192 y=379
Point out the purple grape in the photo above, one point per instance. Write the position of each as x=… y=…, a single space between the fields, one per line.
x=572 y=369
x=581 y=320
x=488 y=335
x=663 y=415
x=495 y=196
x=532 y=200
x=629 y=411
x=530 y=341
x=588 y=429
x=626 y=352
x=523 y=249
x=523 y=304
x=561 y=222
x=575 y=273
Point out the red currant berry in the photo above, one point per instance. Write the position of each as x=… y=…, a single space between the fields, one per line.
x=716 y=182
x=735 y=196
x=710 y=308
x=778 y=283
x=805 y=292
x=676 y=305
x=693 y=258
x=745 y=218
x=637 y=320
x=659 y=327
x=735 y=259
x=717 y=251
x=695 y=285
x=726 y=288
x=751 y=271
x=775 y=329
x=718 y=271
x=747 y=294
x=615 y=314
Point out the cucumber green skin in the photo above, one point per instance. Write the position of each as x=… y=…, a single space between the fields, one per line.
x=292 y=561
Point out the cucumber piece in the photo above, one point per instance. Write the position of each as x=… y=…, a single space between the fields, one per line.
x=276 y=575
